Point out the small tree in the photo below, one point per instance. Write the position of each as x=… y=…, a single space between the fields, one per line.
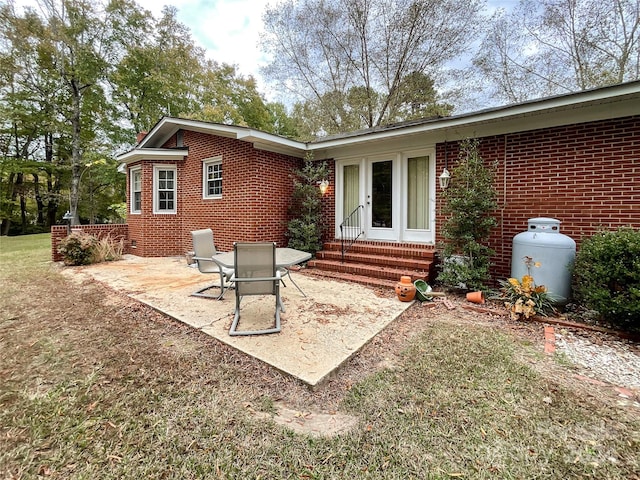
x=305 y=229
x=468 y=205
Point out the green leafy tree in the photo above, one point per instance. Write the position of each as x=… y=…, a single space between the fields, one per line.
x=30 y=170
x=468 y=206
x=160 y=70
x=305 y=229
x=281 y=123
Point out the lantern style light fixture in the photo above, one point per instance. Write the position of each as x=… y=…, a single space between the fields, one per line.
x=323 y=186
x=445 y=176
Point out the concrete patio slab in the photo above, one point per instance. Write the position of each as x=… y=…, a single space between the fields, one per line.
x=319 y=332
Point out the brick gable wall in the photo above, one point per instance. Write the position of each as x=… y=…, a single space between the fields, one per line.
x=585 y=175
x=257 y=189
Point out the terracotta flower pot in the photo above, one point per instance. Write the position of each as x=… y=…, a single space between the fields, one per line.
x=475 y=297
x=405 y=289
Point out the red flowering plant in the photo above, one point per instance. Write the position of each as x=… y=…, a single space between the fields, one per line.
x=523 y=298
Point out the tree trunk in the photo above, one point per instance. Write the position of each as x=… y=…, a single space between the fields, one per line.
x=76 y=155
x=39 y=202
x=53 y=186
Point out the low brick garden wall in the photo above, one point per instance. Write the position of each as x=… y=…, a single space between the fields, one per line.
x=116 y=231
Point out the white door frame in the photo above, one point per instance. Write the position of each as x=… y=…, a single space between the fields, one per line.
x=398 y=230
x=375 y=232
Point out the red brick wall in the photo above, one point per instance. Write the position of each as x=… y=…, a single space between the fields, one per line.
x=154 y=235
x=115 y=231
x=585 y=175
x=257 y=189
x=329 y=205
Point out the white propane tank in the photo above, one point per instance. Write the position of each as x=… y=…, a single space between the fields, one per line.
x=555 y=252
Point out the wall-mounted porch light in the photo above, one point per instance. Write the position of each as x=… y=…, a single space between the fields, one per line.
x=445 y=176
x=323 y=186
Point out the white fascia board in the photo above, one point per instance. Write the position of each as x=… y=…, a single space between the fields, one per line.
x=168 y=126
x=274 y=143
x=152 y=154
x=612 y=102
x=270 y=147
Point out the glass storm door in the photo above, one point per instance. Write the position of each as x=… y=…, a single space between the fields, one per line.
x=381 y=201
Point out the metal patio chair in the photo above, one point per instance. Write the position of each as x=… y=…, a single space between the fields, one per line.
x=205 y=252
x=256 y=274
x=285 y=272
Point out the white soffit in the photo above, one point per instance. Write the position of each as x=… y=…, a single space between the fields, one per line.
x=153 y=154
x=582 y=107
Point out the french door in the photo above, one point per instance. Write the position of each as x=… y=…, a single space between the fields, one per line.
x=396 y=193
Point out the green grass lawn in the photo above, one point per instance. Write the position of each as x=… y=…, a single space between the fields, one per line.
x=95 y=386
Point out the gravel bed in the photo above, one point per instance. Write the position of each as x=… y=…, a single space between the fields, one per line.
x=616 y=362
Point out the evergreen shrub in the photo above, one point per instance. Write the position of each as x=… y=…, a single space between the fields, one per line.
x=606 y=277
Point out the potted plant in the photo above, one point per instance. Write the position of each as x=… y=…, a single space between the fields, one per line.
x=523 y=298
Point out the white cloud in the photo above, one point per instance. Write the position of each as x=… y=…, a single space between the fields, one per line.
x=228 y=29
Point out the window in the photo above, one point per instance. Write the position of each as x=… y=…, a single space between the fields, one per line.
x=135 y=179
x=418 y=193
x=212 y=178
x=164 y=191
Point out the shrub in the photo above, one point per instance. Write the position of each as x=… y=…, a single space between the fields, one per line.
x=78 y=248
x=305 y=228
x=606 y=277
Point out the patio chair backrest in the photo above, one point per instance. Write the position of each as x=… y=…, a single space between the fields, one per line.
x=204 y=247
x=255 y=260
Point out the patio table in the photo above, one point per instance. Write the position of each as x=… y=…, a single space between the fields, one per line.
x=285 y=257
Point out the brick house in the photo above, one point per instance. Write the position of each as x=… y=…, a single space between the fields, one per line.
x=573 y=157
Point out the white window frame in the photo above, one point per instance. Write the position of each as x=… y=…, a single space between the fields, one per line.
x=205 y=180
x=132 y=189
x=156 y=190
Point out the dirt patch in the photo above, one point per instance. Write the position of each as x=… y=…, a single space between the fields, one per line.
x=308 y=422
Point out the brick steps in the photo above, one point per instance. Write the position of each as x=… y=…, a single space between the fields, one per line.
x=350 y=277
x=375 y=263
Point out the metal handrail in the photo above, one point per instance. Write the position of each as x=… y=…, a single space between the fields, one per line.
x=354 y=222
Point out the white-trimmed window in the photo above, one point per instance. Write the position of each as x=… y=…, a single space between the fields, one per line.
x=135 y=190
x=164 y=188
x=212 y=177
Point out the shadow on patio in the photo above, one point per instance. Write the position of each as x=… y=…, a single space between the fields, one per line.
x=319 y=332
